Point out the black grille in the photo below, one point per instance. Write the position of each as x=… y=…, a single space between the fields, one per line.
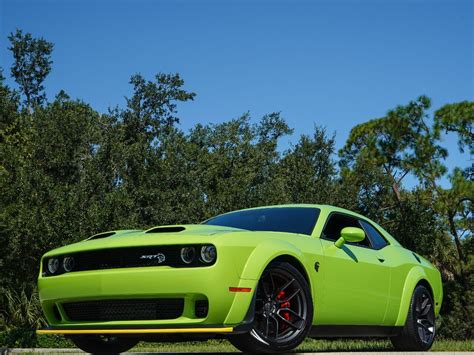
x=117 y=310
x=116 y=258
x=201 y=308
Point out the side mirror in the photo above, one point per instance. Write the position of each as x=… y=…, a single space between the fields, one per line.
x=350 y=234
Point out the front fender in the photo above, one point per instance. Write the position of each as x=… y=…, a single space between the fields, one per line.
x=264 y=253
x=257 y=261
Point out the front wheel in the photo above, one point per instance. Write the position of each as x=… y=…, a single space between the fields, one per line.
x=419 y=330
x=103 y=344
x=283 y=312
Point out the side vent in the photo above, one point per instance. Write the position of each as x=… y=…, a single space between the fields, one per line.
x=417 y=258
x=101 y=235
x=166 y=230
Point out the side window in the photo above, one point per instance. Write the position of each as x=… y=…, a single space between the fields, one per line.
x=336 y=223
x=376 y=238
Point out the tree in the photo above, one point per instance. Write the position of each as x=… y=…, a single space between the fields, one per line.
x=31 y=66
x=401 y=143
x=308 y=169
x=237 y=161
x=46 y=202
x=141 y=128
x=405 y=142
x=458 y=118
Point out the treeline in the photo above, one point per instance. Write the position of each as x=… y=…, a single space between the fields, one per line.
x=68 y=171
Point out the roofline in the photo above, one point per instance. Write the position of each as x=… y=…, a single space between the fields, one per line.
x=331 y=208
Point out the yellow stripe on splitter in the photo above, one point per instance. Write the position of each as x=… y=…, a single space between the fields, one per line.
x=135 y=331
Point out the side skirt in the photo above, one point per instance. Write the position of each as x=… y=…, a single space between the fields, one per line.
x=353 y=331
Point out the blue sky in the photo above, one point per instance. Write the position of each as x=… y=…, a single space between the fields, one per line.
x=331 y=63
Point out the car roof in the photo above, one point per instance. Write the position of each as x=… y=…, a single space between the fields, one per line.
x=306 y=205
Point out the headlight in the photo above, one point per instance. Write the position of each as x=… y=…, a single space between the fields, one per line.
x=208 y=254
x=68 y=263
x=187 y=254
x=53 y=265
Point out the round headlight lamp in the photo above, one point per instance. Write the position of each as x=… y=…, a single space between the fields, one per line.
x=53 y=265
x=68 y=263
x=208 y=253
x=187 y=254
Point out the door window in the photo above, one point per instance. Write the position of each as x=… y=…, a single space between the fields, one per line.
x=337 y=222
x=376 y=239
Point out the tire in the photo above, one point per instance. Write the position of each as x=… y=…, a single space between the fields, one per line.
x=101 y=344
x=283 y=312
x=419 y=331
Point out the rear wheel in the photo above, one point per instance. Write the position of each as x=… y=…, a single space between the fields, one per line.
x=283 y=312
x=103 y=344
x=419 y=330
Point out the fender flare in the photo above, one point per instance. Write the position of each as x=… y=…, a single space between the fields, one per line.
x=265 y=253
x=257 y=262
x=414 y=276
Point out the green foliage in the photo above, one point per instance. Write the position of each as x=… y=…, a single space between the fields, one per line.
x=67 y=172
x=20 y=309
x=307 y=171
x=458 y=118
x=32 y=64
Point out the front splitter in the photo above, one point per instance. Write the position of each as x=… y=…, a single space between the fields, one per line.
x=136 y=331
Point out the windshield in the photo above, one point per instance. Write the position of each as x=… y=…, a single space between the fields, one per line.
x=275 y=219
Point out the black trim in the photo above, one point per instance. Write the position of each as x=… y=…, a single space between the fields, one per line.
x=124 y=309
x=127 y=257
x=175 y=229
x=353 y=331
x=416 y=257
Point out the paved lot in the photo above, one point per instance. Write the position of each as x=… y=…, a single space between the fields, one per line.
x=74 y=352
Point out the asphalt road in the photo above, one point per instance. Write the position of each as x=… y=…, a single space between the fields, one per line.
x=74 y=352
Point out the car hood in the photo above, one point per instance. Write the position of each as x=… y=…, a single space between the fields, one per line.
x=162 y=235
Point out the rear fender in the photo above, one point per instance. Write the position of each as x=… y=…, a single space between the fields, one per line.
x=414 y=276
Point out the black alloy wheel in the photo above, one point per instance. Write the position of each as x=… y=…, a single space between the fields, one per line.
x=283 y=311
x=420 y=329
x=425 y=318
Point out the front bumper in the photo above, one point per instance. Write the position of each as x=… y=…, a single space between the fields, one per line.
x=226 y=309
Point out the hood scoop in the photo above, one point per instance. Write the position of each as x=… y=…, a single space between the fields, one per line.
x=171 y=229
x=101 y=235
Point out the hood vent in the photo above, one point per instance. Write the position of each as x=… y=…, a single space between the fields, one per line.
x=101 y=235
x=417 y=257
x=175 y=229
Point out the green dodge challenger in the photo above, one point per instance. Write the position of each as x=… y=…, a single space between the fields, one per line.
x=264 y=278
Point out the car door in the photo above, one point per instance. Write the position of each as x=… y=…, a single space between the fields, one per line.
x=356 y=281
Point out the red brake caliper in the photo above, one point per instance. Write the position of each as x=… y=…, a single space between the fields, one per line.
x=284 y=304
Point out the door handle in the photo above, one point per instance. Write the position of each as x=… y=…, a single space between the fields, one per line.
x=381 y=260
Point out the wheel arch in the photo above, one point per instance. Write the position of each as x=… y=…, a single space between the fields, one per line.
x=415 y=277
x=424 y=282
x=295 y=263
x=269 y=251
x=262 y=256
